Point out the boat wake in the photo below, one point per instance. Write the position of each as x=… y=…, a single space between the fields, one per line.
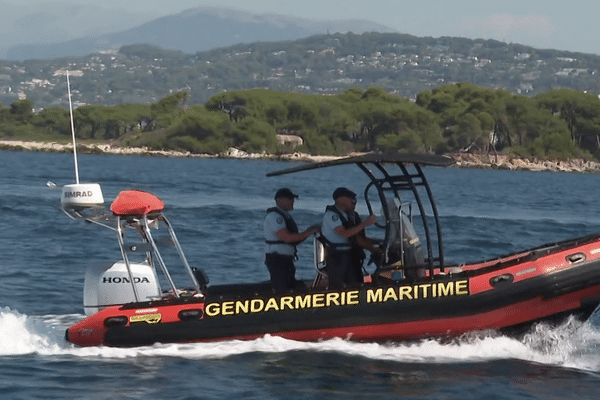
x=573 y=344
x=22 y=334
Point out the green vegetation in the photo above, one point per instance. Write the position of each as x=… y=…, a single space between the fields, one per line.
x=558 y=124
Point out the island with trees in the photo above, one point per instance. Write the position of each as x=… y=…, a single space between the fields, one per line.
x=459 y=118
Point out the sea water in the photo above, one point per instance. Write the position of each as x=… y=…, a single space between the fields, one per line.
x=217 y=208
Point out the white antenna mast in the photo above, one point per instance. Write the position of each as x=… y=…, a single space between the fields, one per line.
x=73 y=130
x=76 y=197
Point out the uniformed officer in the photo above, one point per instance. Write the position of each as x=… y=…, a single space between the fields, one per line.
x=343 y=234
x=281 y=239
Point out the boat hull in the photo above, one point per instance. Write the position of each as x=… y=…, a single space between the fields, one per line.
x=508 y=294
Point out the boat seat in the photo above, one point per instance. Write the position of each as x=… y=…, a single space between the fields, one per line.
x=319 y=261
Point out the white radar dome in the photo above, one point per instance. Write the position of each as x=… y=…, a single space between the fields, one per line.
x=81 y=195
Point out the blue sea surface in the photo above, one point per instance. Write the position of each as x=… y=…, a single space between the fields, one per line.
x=217 y=207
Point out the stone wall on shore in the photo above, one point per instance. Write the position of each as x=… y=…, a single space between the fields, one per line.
x=463 y=160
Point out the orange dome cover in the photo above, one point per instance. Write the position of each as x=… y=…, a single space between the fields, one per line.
x=136 y=202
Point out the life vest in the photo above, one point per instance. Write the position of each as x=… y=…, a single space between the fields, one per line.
x=346 y=223
x=290 y=225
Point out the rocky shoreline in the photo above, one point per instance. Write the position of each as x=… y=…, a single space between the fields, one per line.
x=18 y=145
x=491 y=161
x=462 y=160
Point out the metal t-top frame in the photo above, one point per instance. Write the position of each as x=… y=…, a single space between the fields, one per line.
x=408 y=176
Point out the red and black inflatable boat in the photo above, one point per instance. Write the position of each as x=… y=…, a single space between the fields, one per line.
x=411 y=294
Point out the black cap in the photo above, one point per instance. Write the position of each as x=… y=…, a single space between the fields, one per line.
x=285 y=192
x=342 y=191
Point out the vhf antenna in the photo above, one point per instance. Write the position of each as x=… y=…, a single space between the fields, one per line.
x=77 y=197
x=73 y=130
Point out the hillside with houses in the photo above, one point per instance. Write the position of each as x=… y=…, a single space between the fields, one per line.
x=400 y=64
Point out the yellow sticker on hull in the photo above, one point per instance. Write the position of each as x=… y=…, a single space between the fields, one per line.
x=148 y=318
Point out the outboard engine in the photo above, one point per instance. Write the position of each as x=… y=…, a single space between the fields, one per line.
x=109 y=284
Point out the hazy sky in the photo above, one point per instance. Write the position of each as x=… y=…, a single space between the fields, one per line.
x=564 y=25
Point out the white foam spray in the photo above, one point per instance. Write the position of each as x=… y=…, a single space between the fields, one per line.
x=573 y=345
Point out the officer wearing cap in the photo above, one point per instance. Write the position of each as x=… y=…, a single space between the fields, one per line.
x=343 y=235
x=281 y=239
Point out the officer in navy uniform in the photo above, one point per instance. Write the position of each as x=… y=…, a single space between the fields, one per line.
x=344 y=238
x=281 y=239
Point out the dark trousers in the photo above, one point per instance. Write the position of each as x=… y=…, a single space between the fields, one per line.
x=343 y=269
x=282 y=270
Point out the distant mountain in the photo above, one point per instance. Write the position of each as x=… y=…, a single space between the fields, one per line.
x=197 y=30
x=43 y=24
